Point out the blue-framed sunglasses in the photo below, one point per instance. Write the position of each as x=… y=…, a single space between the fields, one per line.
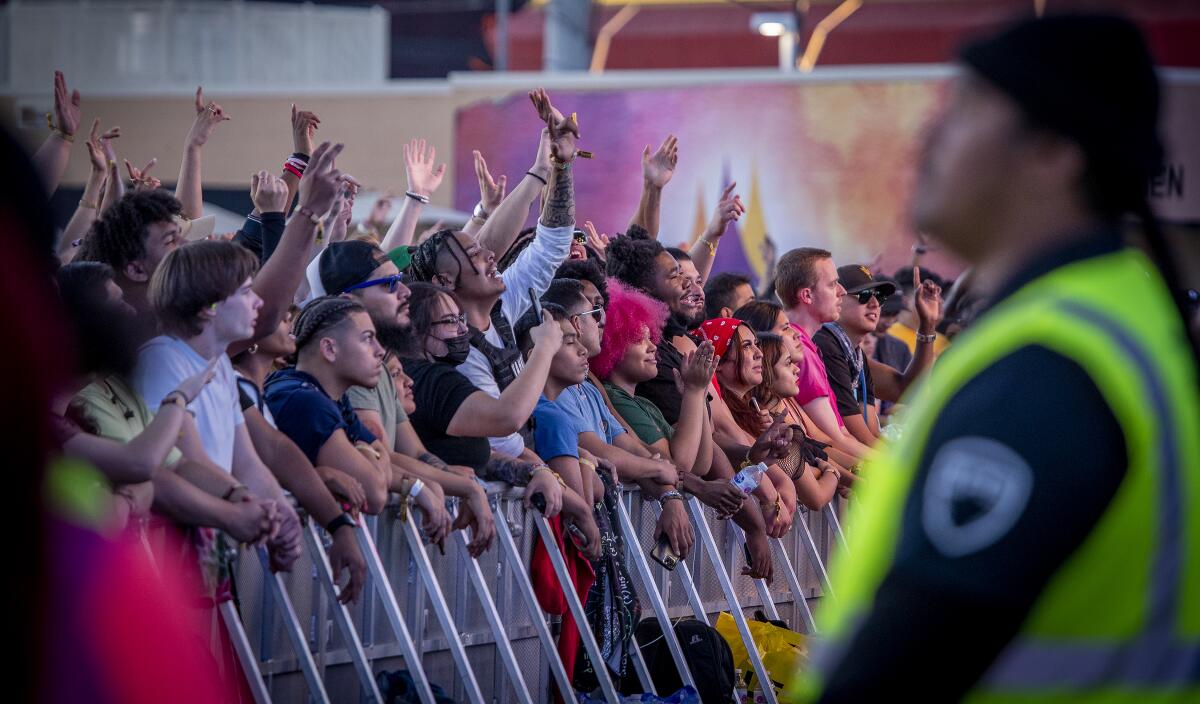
x=390 y=281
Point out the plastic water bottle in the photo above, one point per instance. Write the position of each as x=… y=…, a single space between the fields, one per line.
x=747 y=479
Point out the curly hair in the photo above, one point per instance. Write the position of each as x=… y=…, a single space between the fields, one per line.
x=321 y=315
x=585 y=270
x=631 y=261
x=118 y=237
x=629 y=312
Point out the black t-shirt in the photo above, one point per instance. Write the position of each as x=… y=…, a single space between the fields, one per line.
x=661 y=390
x=841 y=374
x=1033 y=425
x=439 y=389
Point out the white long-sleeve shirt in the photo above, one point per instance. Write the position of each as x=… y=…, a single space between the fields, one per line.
x=533 y=269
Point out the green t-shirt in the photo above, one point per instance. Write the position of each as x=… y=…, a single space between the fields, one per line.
x=118 y=411
x=641 y=415
x=382 y=400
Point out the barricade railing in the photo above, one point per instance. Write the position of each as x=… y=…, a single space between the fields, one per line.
x=488 y=639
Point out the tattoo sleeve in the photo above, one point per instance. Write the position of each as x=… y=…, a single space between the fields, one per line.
x=510 y=470
x=433 y=461
x=559 y=208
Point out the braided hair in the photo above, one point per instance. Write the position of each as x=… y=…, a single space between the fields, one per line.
x=321 y=314
x=425 y=255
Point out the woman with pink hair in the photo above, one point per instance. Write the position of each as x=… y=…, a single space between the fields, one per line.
x=632 y=330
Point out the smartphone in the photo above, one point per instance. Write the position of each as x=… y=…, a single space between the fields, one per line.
x=664 y=555
x=749 y=560
x=577 y=536
x=539 y=502
x=754 y=401
x=537 y=305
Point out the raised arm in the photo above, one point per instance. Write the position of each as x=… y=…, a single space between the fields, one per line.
x=51 y=158
x=277 y=281
x=89 y=205
x=189 y=190
x=481 y=415
x=891 y=384
x=697 y=369
x=491 y=194
x=728 y=210
x=657 y=170
x=504 y=222
x=304 y=128
x=423 y=181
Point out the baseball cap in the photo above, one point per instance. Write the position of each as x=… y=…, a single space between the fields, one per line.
x=856 y=277
x=344 y=264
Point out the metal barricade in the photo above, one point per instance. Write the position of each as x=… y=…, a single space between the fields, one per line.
x=489 y=635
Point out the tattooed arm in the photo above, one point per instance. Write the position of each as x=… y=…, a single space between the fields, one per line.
x=510 y=470
x=559 y=208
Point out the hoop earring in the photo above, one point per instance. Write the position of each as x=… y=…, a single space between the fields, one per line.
x=253 y=349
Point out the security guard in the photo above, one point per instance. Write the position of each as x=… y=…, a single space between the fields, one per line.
x=1034 y=535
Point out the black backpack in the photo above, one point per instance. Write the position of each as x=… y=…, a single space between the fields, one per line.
x=708 y=657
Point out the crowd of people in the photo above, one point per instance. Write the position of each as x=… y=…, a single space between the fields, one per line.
x=344 y=365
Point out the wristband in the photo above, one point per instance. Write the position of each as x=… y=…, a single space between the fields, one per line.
x=588 y=463
x=343 y=519
x=926 y=338
x=170 y=399
x=415 y=490
x=712 y=246
x=231 y=491
x=417 y=197
x=671 y=495
x=544 y=181
x=312 y=217
x=296 y=164
x=88 y=204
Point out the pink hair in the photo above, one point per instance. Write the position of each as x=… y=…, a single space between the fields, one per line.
x=628 y=312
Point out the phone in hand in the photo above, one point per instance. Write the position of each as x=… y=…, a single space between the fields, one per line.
x=537 y=305
x=539 y=502
x=664 y=555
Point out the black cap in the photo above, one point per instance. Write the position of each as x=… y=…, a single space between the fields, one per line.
x=856 y=277
x=1087 y=77
x=344 y=264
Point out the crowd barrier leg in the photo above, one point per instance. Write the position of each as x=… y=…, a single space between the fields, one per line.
x=517 y=569
x=835 y=525
x=585 y=633
x=245 y=655
x=814 y=555
x=341 y=614
x=412 y=658
x=735 y=607
x=441 y=609
x=793 y=580
x=638 y=558
x=503 y=646
x=295 y=632
x=640 y=667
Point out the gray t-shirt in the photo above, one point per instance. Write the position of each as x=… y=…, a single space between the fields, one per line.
x=382 y=400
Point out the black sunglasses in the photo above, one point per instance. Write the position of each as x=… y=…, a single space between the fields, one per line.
x=864 y=296
x=580 y=236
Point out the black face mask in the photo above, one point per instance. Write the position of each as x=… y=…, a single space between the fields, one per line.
x=457 y=349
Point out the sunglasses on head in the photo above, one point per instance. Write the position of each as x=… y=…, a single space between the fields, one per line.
x=864 y=296
x=392 y=282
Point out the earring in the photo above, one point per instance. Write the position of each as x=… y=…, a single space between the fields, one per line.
x=253 y=349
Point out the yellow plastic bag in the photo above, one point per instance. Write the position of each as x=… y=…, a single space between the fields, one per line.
x=783 y=651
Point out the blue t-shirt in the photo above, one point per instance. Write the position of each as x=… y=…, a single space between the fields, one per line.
x=554 y=431
x=307 y=415
x=586 y=407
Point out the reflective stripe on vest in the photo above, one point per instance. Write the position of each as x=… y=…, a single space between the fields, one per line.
x=1152 y=657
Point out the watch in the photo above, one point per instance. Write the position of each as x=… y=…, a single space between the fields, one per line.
x=175 y=398
x=480 y=213
x=344 y=519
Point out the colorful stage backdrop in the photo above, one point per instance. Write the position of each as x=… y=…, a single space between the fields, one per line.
x=825 y=164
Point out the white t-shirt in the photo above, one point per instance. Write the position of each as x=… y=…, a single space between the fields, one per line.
x=533 y=269
x=164 y=362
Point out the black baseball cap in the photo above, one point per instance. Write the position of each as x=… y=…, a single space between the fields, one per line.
x=856 y=277
x=344 y=264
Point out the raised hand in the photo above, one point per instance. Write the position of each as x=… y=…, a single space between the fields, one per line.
x=928 y=300
x=564 y=132
x=194 y=384
x=380 y=211
x=66 y=107
x=548 y=334
x=304 y=127
x=491 y=191
x=659 y=167
x=98 y=145
x=322 y=181
x=698 y=368
x=596 y=240
x=208 y=116
x=423 y=177
x=268 y=192
x=141 y=178
x=729 y=209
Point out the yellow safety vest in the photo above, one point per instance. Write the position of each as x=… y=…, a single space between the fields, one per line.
x=1119 y=621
